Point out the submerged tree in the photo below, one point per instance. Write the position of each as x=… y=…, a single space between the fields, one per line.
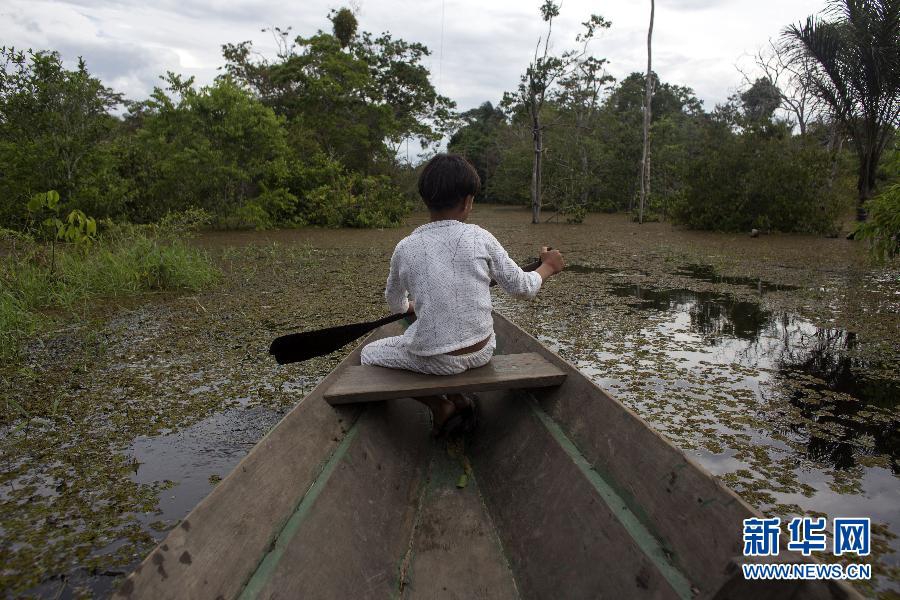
x=789 y=73
x=354 y=96
x=648 y=99
x=55 y=133
x=856 y=72
x=343 y=25
x=540 y=76
x=761 y=100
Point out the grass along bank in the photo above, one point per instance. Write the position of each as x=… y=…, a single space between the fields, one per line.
x=40 y=285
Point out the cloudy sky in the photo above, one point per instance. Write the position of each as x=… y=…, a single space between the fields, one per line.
x=479 y=48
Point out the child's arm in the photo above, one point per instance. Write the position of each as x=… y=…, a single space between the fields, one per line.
x=510 y=276
x=395 y=292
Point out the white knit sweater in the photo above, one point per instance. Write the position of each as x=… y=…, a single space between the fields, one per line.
x=446 y=267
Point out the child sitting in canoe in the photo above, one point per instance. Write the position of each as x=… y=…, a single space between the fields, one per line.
x=441 y=272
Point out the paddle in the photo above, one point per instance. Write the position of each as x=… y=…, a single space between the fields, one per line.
x=297 y=347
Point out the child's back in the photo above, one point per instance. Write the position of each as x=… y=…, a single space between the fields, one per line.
x=442 y=273
x=447 y=266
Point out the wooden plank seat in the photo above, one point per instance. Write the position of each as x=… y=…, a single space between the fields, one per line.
x=365 y=383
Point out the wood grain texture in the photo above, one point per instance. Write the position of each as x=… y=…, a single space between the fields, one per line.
x=692 y=513
x=561 y=538
x=455 y=554
x=352 y=539
x=217 y=547
x=512 y=371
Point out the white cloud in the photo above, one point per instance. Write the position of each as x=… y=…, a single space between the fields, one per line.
x=486 y=46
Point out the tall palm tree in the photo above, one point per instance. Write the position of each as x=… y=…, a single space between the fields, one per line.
x=856 y=72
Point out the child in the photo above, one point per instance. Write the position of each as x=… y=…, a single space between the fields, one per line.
x=441 y=272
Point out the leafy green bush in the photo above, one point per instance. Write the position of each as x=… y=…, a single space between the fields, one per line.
x=56 y=132
x=883 y=227
x=355 y=201
x=757 y=180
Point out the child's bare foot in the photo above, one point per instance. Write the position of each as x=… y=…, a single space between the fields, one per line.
x=444 y=408
x=442 y=411
x=465 y=406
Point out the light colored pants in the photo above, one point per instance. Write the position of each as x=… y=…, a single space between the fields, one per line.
x=391 y=352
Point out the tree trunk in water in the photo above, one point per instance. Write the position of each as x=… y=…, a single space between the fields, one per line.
x=835 y=145
x=584 y=177
x=536 y=172
x=868 y=166
x=648 y=97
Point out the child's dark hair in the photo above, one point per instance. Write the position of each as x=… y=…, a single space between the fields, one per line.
x=447 y=180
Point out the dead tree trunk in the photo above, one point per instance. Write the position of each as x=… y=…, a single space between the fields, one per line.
x=538 y=137
x=648 y=97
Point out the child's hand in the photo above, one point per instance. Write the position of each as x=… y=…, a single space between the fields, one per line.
x=553 y=259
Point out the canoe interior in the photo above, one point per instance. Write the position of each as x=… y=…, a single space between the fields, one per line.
x=567 y=494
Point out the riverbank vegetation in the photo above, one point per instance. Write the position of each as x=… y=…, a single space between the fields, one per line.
x=44 y=284
x=308 y=138
x=312 y=135
x=816 y=114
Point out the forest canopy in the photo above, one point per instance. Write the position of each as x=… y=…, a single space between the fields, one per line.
x=308 y=138
x=312 y=136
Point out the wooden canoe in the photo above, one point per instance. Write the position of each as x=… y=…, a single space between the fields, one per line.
x=571 y=495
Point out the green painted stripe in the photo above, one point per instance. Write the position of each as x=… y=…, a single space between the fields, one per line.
x=645 y=540
x=268 y=564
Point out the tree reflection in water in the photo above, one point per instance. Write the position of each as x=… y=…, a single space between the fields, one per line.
x=818 y=371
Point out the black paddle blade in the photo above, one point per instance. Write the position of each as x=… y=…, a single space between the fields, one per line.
x=297 y=347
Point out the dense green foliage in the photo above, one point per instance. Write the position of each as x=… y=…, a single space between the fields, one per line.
x=311 y=135
x=56 y=132
x=737 y=168
x=883 y=227
x=759 y=180
x=309 y=138
x=734 y=169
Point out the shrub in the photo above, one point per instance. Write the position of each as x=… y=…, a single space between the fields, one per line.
x=883 y=227
x=126 y=260
x=355 y=201
x=738 y=183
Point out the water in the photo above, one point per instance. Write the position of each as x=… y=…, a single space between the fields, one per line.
x=196 y=458
x=794 y=415
x=708 y=273
x=788 y=413
x=818 y=362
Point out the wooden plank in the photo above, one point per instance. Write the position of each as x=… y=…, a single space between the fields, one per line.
x=350 y=541
x=511 y=371
x=216 y=548
x=455 y=553
x=562 y=537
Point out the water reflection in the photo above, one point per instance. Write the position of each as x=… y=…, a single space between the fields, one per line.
x=712 y=314
x=830 y=403
x=839 y=399
x=708 y=273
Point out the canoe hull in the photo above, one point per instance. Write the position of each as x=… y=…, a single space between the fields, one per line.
x=567 y=493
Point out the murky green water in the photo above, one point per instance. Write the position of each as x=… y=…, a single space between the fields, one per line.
x=774 y=362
